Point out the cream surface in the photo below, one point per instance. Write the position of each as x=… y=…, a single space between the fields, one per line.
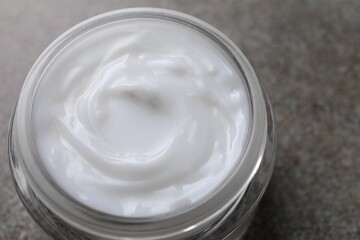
x=140 y=117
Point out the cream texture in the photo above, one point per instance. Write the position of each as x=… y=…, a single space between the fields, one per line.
x=140 y=117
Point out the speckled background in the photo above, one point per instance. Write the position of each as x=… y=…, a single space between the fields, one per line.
x=308 y=55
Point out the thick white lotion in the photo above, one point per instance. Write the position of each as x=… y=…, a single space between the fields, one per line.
x=140 y=117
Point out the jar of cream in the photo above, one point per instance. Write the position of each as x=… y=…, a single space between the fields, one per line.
x=142 y=124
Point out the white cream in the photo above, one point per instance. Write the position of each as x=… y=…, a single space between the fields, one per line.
x=140 y=117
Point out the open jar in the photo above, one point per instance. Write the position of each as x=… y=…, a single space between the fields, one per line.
x=223 y=213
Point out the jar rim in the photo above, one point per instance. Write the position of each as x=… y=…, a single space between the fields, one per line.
x=88 y=219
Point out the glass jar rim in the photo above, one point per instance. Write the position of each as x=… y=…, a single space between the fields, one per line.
x=88 y=219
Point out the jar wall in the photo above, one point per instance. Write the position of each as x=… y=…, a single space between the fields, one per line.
x=231 y=224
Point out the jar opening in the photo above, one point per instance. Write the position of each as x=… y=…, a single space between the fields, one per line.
x=90 y=219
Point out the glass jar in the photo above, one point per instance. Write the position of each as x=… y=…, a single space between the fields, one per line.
x=226 y=214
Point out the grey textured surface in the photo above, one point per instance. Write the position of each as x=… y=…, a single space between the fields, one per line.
x=308 y=55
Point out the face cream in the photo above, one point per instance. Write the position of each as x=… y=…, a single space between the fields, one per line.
x=145 y=117
x=140 y=117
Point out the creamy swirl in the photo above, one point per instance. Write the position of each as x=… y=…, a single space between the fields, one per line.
x=140 y=118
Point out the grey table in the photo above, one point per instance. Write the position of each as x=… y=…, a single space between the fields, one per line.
x=308 y=55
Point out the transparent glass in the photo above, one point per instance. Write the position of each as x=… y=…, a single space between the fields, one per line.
x=226 y=214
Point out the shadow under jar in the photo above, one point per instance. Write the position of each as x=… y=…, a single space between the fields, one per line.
x=224 y=212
